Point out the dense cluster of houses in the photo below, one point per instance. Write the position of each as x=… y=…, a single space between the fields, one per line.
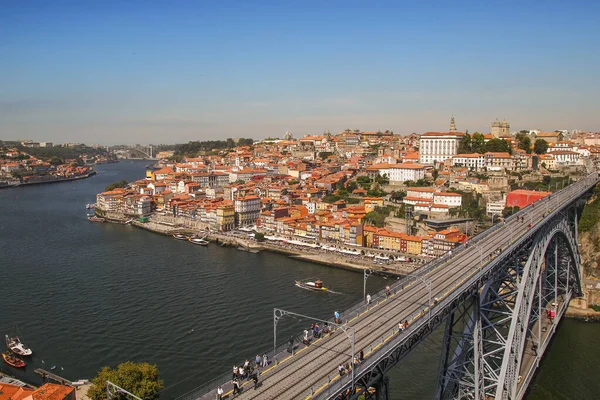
x=281 y=185
x=21 y=167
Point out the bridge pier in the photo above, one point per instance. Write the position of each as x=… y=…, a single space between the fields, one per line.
x=382 y=389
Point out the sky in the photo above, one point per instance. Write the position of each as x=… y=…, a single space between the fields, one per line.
x=111 y=72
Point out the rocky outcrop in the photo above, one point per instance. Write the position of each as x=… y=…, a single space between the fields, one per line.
x=589 y=236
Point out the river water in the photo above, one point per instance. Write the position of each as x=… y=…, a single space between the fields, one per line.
x=85 y=295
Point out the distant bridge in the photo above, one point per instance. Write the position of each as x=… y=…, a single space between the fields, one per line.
x=500 y=296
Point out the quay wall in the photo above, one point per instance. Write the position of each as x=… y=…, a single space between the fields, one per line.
x=74 y=178
x=168 y=226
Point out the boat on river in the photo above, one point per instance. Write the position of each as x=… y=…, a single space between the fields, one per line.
x=13 y=360
x=316 y=285
x=16 y=346
x=199 y=241
x=179 y=236
x=92 y=218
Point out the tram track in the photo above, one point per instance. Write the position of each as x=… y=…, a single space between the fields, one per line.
x=297 y=374
x=304 y=368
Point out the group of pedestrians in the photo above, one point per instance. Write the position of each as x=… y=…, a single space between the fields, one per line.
x=402 y=326
x=245 y=371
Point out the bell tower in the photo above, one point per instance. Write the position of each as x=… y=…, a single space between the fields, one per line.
x=452 y=125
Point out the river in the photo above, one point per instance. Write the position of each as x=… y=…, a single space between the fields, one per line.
x=85 y=295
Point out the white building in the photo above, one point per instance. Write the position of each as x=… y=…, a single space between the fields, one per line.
x=406 y=172
x=438 y=146
x=495 y=207
x=498 y=161
x=449 y=199
x=474 y=161
x=566 y=157
x=247 y=210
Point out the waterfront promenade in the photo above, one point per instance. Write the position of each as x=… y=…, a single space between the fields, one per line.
x=372 y=259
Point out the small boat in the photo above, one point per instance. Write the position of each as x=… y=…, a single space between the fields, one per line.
x=16 y=346
x=179 y=236
x=90 y=206
x=129 y=221
x=200 y=242
x=13 y=360
x=317 y=285
x=92 y=218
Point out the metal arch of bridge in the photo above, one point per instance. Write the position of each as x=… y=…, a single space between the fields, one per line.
x=560 y=223
x=485 y=338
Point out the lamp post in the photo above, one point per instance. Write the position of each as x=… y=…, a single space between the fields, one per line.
x=112 y=391
x=348 y=330
x=367 y=273
x=427 y=283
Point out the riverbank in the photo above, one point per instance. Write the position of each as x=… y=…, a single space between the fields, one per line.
x=74 y=178
x=588 y=315
x=319 y=256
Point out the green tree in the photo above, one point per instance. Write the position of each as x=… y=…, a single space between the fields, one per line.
x=113 y=186
x=478 y=143
x=465 y=144
x=140 y=379
x=498 y=146
x=508 y=211
x=540 y=146
x=260 y=237
x=323 y=155
x=435 y=173
x=351 y=186
x=523 y=142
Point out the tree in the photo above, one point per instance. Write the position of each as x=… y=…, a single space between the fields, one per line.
x=465 y=144
x=524 y=142
x=478 y=143
x=508 y=211
x=113 y=186
x=498 y=146
x=435 y=173
x=540 y=146
x=260 y=237
x=351 y=186
x=140 y=379
x=323 y=155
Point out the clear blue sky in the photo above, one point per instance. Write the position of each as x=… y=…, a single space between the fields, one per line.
x=173 y=71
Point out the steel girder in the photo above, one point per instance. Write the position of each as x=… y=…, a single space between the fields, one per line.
x=485 y=337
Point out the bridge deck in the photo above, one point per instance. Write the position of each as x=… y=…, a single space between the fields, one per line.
x=314 y=369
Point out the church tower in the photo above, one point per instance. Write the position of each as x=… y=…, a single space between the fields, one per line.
x=452 y=125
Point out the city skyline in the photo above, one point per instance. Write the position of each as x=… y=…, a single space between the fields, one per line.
x=149 y=73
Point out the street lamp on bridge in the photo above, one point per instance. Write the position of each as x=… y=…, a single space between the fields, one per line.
x=348 y=330
x=113 y=391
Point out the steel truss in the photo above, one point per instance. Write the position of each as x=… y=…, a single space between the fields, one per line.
x=486 y=337
x=492 y=318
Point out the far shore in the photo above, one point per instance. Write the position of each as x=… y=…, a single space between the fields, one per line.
x=73 y=178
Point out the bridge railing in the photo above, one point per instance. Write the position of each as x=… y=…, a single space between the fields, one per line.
x=339 y=385
x=360 y=306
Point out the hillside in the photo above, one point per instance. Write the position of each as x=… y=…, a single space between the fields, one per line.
x=589 y=236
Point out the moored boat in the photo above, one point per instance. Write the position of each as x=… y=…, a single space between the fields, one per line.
x=16 y=346
x=317 y=285
x=13 y=360
x=92 y=218
x=179 y=236
x=200 y=242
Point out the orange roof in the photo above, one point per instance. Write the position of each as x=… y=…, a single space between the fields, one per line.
x=51 y=391
x=12 y=392
x=407 y=165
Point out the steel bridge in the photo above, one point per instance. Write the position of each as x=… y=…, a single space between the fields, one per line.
x=500 y=296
